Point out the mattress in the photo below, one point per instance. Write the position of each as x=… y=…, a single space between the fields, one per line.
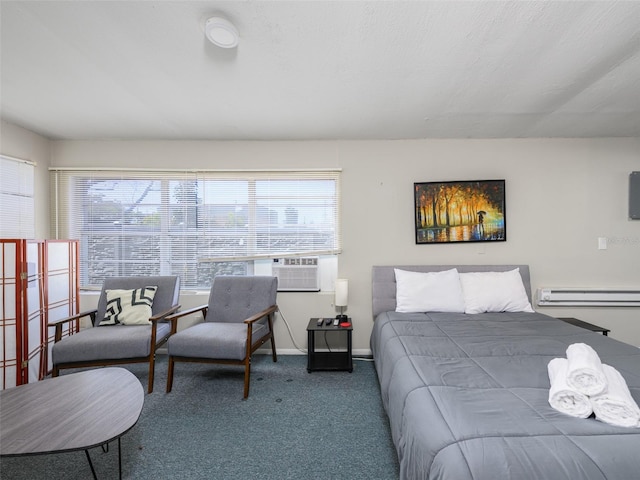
x=467 y=398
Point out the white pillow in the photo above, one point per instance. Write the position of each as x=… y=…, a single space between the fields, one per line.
x=428 y=291
x=129 y=307
x=494 y=292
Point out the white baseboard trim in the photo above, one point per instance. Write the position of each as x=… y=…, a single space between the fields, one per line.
x=362 y=352
x=358 y=352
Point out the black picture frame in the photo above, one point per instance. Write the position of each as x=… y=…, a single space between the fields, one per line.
x=460 y=211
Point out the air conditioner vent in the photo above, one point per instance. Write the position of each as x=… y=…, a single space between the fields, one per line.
x=297 y=274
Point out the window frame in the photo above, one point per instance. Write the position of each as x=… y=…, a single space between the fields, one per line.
x=17 y=198
x=69 y=203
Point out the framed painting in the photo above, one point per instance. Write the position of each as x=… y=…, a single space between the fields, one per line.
x=460 y=211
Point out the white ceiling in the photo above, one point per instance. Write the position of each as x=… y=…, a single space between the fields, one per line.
x=322 y=69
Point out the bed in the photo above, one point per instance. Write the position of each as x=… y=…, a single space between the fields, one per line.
x=467 y=394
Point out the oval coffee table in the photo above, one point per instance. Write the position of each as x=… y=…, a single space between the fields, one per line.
x=78 y=411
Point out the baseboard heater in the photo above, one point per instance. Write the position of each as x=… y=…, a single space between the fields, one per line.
x=594 y=297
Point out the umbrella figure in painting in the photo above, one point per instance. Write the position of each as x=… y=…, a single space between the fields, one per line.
x=481 y=215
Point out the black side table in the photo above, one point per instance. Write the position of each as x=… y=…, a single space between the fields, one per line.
x=583 y=324
x=328 y=360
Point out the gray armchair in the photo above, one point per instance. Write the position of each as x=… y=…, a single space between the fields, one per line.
x=237 y=321
x=118 y=344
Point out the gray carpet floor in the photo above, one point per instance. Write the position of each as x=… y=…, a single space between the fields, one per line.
x=294 y=425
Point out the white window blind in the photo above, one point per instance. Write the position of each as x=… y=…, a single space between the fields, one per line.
x=139 y=222
x=17 y=210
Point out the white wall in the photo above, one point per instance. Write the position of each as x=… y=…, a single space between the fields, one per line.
x=20 y=143
x=562 y=194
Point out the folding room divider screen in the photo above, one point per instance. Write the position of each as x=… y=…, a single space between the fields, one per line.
x=38 y=284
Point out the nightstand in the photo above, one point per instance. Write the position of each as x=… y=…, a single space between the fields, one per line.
x=328 y=360
x=588 y=326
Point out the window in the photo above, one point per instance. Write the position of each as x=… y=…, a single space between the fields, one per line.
x=17 y=210
x=193 y=224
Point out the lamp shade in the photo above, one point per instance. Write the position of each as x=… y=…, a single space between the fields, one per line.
x=342 y=292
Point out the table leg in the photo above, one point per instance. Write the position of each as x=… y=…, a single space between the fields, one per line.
x=119 y=460
x=93 y=470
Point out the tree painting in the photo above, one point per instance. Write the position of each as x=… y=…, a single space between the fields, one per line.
x=464 y=211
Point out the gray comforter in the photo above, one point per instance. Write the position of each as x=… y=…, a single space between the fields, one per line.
x=467 y=398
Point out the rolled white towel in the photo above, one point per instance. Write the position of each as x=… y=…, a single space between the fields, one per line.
x=615 y=405
x=562 y=397
x=584 y=372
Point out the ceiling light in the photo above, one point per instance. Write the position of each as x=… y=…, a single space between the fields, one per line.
x=221 y=32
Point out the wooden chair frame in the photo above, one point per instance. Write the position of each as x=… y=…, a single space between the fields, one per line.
x=58 y=324
x=250 y=347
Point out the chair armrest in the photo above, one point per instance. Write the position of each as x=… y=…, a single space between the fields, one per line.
x=264 y=313
x=190 y=311
x=164 y=315
x=60 y=322
x=78 y=316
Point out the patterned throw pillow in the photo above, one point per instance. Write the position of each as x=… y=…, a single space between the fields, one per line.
x=129 y=307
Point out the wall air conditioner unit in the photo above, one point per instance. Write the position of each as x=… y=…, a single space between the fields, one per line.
x=588 y=297
x=296 y=274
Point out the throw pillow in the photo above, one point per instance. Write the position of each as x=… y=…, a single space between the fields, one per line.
x=129 y=307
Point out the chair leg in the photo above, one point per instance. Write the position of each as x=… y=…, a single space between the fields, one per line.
x=273 y=349
x=170 y=374
x=247 y=376
x=152 y=369
x=55 y=372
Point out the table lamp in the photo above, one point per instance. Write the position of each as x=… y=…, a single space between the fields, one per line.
x=342 y=294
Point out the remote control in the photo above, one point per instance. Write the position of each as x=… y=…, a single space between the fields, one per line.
x=320 y=322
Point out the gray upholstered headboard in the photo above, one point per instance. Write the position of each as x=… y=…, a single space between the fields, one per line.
x=383 y=280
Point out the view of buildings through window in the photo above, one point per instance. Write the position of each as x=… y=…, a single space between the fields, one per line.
x=195 y=227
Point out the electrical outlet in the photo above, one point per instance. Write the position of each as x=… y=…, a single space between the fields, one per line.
x=602 y=243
